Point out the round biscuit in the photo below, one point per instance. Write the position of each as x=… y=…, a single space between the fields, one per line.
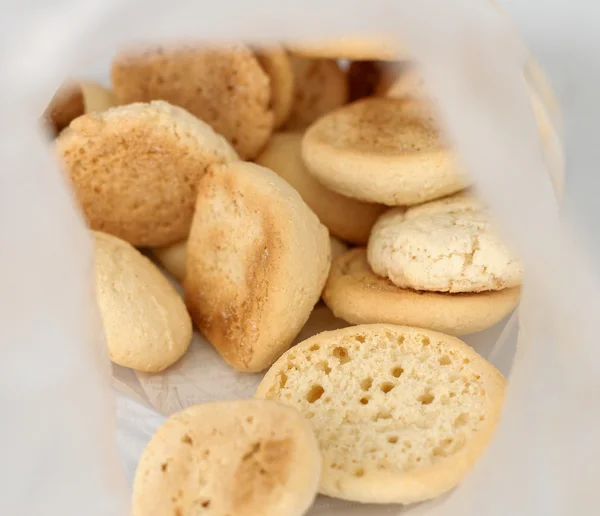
x=401 y=414
x=235 y=457
x=442 y=252
x=320 y=86
x=172 y=258
x=348 y=219
x=277 y=65
x=257 y=261
x=225 y=87
x=135 y=169
x=350 y=47
x=146 y=324
x=381 y=150
x=356 y=294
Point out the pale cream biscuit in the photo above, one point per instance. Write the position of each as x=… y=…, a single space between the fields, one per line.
x=382 y=150
x=460 y=202
x=276 y=63
x=356 y=294
x=135 y=169
x=346 y=218
x=401 y=414
x=257 y=261
x=240 y=458
x=146 y=324
x=75 y=98
x=172 y=258
x=355 y=48
x=442 y=252
x=320 y=86
x=225 y=87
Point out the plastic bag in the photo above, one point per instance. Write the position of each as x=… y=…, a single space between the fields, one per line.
x=58 y=432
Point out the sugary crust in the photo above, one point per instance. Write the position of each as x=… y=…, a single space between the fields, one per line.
x=257 y=261
x=356 y=294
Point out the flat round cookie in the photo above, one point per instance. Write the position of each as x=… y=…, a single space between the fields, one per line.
x=320 y=86
x=443 y=252
x=356 y=294
x=135 y=169
x=346 y=218
x=276 y=63
x=380 y=150
x=401 y=414
x=257 y=261
x=350 y=47
x=239 y=458
x=146 y=324
x=225 y=87
x=172 y=258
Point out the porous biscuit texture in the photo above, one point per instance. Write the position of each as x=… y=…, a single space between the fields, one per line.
x=257 y=261
x=135 y=169
x=224 y=86
x=356 y=294
x=240 y=458
x=401 y=414
x=443 y=252
x=348 y=219
x=381 y=150
x=146 y=324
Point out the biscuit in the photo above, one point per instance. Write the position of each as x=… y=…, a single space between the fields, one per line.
x=276 y=63
x=75 y=98
x=401 y=414
x=443 y=252
x=135 y=169
x=337 y=247
x=320 y=86
x=350 y=47
x=346 y=218
x=240 y=458
x=381 y=150
x=257 y=261
x=146 y=324
x=172 y=258
x=458 y=203
x=356 y=294
x=225 y=87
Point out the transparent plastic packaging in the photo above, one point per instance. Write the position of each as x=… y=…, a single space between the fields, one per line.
x=70 y=446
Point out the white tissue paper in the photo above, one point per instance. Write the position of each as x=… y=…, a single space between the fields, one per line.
x=71 y=439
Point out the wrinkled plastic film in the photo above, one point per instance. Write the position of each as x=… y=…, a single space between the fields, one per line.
x=56 y=396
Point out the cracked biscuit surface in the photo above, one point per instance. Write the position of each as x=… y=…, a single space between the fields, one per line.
x=240 y=458
x=442 y=252
x=400 y=413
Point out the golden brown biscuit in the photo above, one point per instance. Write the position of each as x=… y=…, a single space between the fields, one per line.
x=382 y=150
x=356 y=294
x=237 y=458
x=346 y=218
x=321 y=86
x=146 y=325
x=225 y=87
x=257 y=261
x=135 y=169
x=276 y=63
x=401 y=414
x=352 y=48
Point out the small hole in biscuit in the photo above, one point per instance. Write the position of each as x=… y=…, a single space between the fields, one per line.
x=324 y=366
x=401 y=339
x=164 y=466
x=466 y=361
x=445 y=360
x=250 y=419
x=383 y=415
x=461 y=420
x=187 y=439
x=360 y=472
x=364 y=400
x=407 y=444
x=387 y=387
x=366 y=384
x=426 y=398
x=282 y=379
x=425 y=341
x=315 y=392
x=315 y=347
x=206 y=504
x=342 y=354
x=359 y=338
x=392 y=439
x=397 y=372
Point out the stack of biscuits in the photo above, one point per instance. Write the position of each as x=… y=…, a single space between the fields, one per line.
x=268 y=181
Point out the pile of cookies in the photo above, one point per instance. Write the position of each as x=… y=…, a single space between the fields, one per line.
x=269 y=181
